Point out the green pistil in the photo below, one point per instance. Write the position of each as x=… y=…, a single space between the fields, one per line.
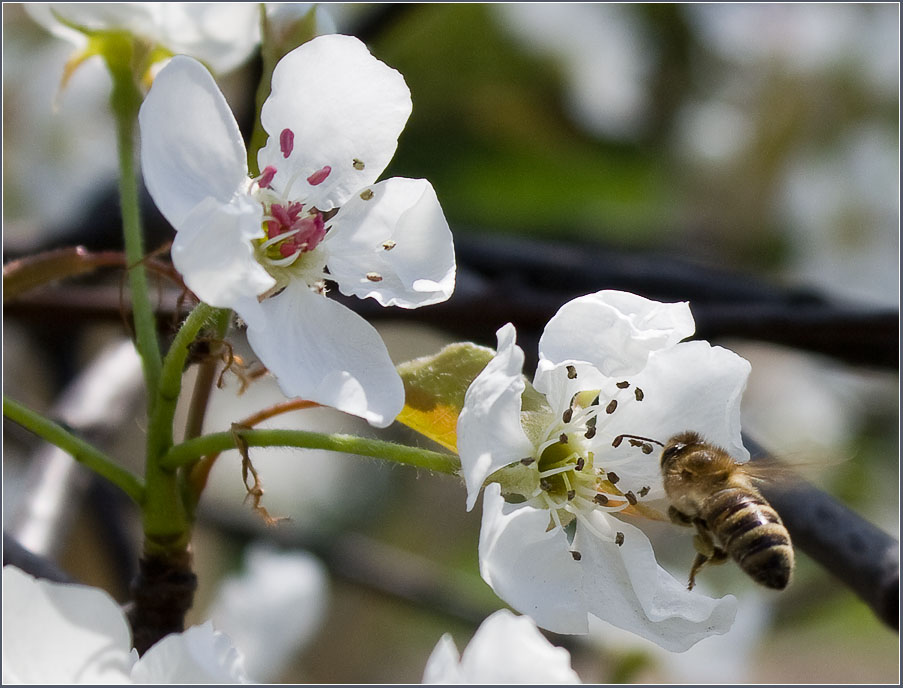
x=558 y=468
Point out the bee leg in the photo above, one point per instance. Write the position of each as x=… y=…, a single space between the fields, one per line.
x=698 y=563
x=707 y=551
x=679 y=517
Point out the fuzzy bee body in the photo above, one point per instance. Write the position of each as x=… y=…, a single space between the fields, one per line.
x=717 y=495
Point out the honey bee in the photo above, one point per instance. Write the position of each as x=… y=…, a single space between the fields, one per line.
x=710 y=491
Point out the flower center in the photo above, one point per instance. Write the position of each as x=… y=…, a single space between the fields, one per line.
x=293 y=232
x=571 y=478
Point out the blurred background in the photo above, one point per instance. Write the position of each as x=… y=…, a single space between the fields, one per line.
x=754 y=144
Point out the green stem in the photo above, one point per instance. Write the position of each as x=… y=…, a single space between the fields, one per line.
x=167 y=523
x=80 y=450
x=189 y=451
x=125 y=101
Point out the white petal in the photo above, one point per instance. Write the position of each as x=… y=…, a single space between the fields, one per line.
x=528 y=567
x=199 y=655
x=693 y=386
x=342 y=104
x=400 y=234
x=215 y=256
x=443 y=665
x=321 y=351
x=626 y=587
x=221 y=34
x=614 y=331
x=510 y=649
x=490 y=434
x=191 y=148
x=63 y=634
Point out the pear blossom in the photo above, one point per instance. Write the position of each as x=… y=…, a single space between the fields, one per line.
x=505 y=649
x=265 y=247
x=558 y=539
x=221 y=34
x=55 y=633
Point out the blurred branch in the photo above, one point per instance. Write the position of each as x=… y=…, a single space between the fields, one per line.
x=14 y=554
x=525 y=282
x=862 y=556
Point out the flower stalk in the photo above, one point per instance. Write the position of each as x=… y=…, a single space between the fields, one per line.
x=125 y=101
x=81 y=451
x=188 y=452
x=167 y=523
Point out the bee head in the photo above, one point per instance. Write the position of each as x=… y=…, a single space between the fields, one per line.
x=677 y=444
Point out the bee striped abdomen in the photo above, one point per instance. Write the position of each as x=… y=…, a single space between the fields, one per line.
x=750 y=530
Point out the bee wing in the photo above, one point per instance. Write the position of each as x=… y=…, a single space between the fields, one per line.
x=788 y=468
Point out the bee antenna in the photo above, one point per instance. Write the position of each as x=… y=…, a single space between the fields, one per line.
x=617 y=440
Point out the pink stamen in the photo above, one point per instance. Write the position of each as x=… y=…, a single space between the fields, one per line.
x=319 y=176
x=287 y=249
x=273 y=229
x=286 y=142
x=281 y=214
x=311 y=231
x=266 y=178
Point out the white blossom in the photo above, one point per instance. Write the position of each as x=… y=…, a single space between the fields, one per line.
x=266 y=246
x=55 y=633
x=505 y=649
x=221 y=34
x=558 y=538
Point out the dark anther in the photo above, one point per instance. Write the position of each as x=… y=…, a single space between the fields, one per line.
x=572 y=372
x=647 y=448
x=623 y=385
x=638 y=393
x=527 y=461
x=619 y=538
x=545 y=484
x=577 y=556
x=580 y=464
x=590 y=431
x=571 y=494
x=630 y=497
x=612 y=405
x=643 y=491
x=567 y=415
x=563 y=438
x=616 y=442
x=613 y=478
x=636 y=443
x=600 y=499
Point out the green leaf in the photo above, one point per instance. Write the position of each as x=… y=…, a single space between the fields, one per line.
x=434 y=390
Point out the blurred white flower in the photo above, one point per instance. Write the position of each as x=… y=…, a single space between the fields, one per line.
x=221 y=34
x=609 y=363
x=272 y=609
x=712 y=131
x=67 y=151
x=316 y=205
x=66 y=634
x=804 y=37
x=604 y=55
x=843 y=210
x=505 y=649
